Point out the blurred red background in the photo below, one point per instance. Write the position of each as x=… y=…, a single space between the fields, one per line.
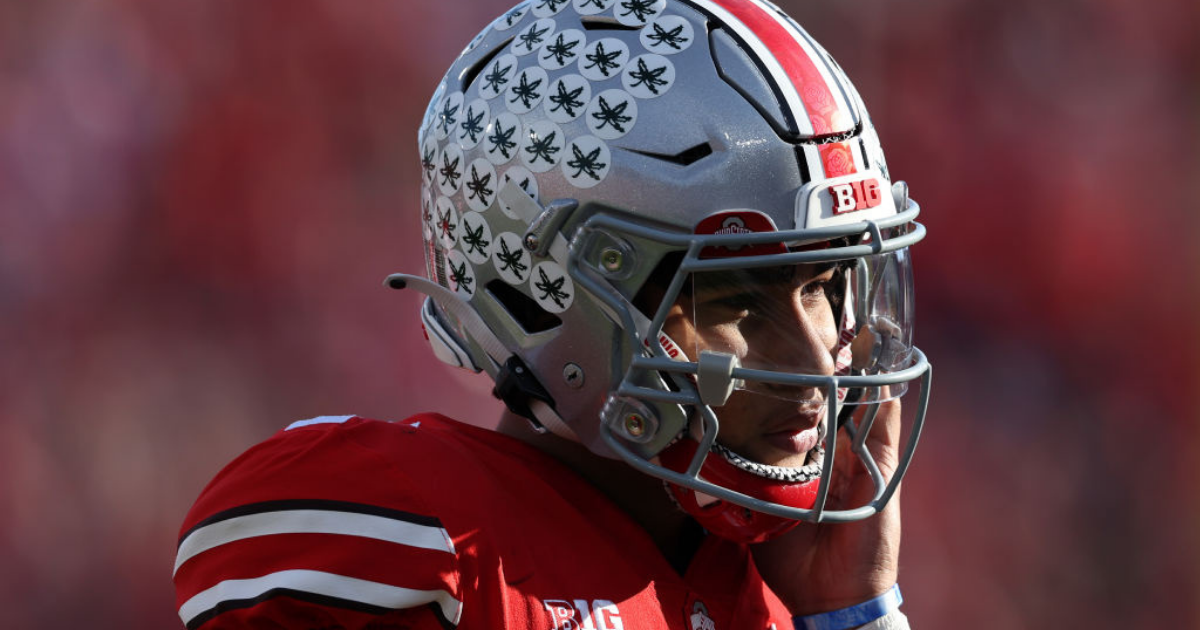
x=199 y=201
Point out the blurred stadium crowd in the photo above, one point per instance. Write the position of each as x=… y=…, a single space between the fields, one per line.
x=199 y=201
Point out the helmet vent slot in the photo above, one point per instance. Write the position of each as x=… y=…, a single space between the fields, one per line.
x=470 y=73
x=605 y=23
x=744 y=73
x=530 y=316
x=686 y=157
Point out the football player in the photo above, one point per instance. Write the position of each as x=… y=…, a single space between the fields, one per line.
x=666 y=230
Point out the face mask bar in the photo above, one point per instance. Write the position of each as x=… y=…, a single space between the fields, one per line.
x=644 y=390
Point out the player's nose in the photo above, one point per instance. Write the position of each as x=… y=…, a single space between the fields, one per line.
x=802 y=342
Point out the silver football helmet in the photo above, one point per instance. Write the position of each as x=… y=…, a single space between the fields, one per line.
x=601 y=177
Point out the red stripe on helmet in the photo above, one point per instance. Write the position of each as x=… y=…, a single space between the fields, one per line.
x=838 y=159
x=817 y=96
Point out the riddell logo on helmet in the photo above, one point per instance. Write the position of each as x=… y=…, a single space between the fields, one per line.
x=855 y=196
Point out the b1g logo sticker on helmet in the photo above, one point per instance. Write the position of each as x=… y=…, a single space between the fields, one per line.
x=533 y=37
x=474 y=121
x=542 y=146
x=648 y=76
x=480 y=184
x=562 y=50
x=604 y=59
x=568 y=97
x=638 y=12
x=525 y=179
x=853 y=196
x=612 y=114
x=497 y=76
x=587 y=163
x=552 y=287
x=511 y=259
x=527 y=90
x=668 y=35
x=476 y=238
x=460 y=274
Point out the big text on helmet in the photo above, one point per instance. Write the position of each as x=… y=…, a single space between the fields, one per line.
x=602 y=614
x=853 y=196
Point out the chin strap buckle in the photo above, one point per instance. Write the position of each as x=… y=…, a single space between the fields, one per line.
x=519 y=389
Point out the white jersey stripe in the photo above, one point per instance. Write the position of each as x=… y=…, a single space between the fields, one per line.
x=319 y=583
x=312 y=522
x=318 y=420
x=794 y=103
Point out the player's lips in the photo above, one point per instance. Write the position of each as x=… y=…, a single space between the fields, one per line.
x=799 y=434
x=794 y=442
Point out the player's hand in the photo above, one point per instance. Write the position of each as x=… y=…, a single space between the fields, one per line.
x=819 y=568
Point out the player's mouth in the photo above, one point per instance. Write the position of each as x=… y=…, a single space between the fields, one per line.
x=808 y=441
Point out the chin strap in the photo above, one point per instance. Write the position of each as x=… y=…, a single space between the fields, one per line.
x=515 y=385
x=551 y=422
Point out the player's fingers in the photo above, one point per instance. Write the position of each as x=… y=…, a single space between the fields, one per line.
x=853 y=484
x=883 y=440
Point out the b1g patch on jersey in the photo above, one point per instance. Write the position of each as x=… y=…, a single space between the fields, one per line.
x=580 y=614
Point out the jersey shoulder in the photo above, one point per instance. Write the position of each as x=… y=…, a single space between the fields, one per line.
x=321 y=525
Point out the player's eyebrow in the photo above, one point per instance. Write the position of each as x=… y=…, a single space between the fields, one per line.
x=720 y=283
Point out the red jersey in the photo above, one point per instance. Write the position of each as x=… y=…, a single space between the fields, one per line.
x=342 y=522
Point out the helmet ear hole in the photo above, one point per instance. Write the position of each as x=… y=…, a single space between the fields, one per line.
x=649 y=296
x=524 y=310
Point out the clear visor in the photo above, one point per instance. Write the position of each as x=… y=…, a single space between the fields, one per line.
x=846 y=318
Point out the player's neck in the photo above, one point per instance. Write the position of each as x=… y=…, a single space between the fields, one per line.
x=640 y=496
